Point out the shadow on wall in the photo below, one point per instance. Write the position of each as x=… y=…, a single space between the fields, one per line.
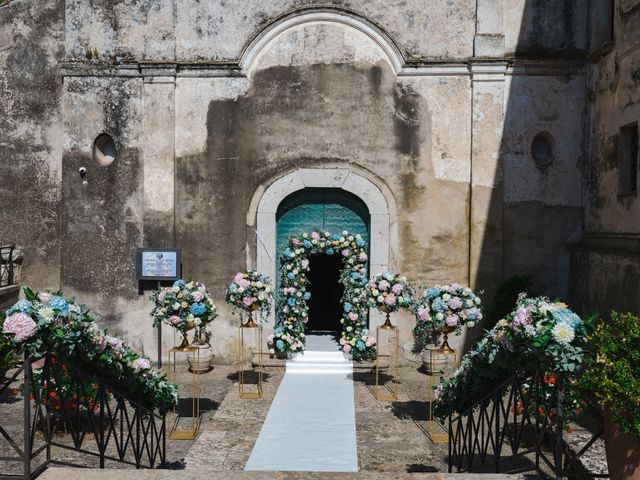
x=534 y=207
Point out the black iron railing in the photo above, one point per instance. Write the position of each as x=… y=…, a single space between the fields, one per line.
x=67 y=417
x=6 y=265
x=512 y=430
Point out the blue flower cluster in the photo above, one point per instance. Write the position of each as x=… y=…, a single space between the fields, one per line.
x=197 y=309
x=565 y=315
x=59 y=303
x=23 y=306
x=439 y=305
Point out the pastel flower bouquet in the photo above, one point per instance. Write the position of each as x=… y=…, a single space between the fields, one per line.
x=48 y=322
x=538 y=336
x=389 y=292
x=251 y=291
x=184 y=306
x=444 y=309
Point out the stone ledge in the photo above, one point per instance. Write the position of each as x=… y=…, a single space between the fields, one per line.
x=203 y=474
x=9 y=295
x=608 y=242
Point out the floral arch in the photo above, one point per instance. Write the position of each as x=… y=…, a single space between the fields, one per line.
x=292 y=307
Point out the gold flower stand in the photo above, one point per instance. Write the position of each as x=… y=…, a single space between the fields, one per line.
x=185 y=434
x=249 y=345
x=388 y=335
x=448 y=359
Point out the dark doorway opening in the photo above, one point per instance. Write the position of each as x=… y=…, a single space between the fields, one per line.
x=325 y=304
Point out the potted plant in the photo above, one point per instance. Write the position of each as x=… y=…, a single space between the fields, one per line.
x=611 y=379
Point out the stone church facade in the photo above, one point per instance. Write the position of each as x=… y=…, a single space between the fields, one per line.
x=478 y=134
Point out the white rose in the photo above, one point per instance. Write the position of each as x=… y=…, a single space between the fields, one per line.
x=298 y=294
x=259 y=284
x=375 y=292
x=190 y=285
x=241 y=289
x=261 y=296
x=176 y=289
x=322 y=244
x=476 y=300
x=351 y=238
x=305 y=235
x=446 y=297
x=439 y=316
x=314 y=241
x=349 y=329
x=288 y=266
x=197 y=321
x=380 y=299
x=176 y=306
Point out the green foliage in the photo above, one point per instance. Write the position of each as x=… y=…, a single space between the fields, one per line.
x=7 y=354
x=506 y=297
x=612 y=370
x=423 y=335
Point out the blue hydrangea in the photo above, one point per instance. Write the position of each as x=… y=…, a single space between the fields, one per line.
x=197 y=309
x=360 y=345
x=291 y=276
x=233 y=288
x=279 y=344
x=335 y=237
x=59 y=303
x=23 y=306
x=347 y=307
x=355 y=275
x=179 y=283
x=291 y=302
x=567 y=316
x=307 y=244
x=439 y=305
x=472 y=313
x=330 y=251
x=278 y=330
x=432 y=293
x=360 y=242
x=307 y=295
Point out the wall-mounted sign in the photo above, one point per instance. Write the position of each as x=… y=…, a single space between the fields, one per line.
x=158 y=264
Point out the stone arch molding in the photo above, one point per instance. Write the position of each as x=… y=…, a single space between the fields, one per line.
x=377 y=197
x=265 y=37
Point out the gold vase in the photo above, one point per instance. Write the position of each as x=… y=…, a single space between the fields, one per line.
x=250 y=323
x=185 y=341
x=444 y=347
x=387 y=324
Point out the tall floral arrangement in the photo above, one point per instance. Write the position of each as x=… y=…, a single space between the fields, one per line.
x=251 y=291
x=389 y=292
x=289 y=334
x=48 y=322
x=184 y=306
x=539 y=335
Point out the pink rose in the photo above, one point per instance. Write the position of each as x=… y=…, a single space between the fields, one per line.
x=247 y=301
x=141 y=364
x=161 y=296
x=371 y=341
x=390 y=300
x=346 y=348
x=243 y=282
x=363 y=257
x=174 y=320
x=21 y=326
x=342 y=341
x=383 y=286
x=397 y=288
x=304 y=263
x=353 y=316
x=315 y=236
x=295 y=241
x=238 y=277
x=345 y=252
x=423 y=313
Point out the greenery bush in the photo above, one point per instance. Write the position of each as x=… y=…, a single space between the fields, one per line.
x=612 y=370
x=7 y=355
x=505 y=298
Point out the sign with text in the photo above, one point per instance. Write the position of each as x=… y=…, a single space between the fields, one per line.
x=158 y=264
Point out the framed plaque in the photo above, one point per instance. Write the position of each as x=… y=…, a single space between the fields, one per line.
x=158 y=264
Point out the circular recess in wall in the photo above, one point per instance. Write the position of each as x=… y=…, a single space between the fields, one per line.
x=104 y=150
x=542 y=149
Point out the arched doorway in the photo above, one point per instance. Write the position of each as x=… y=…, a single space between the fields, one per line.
x=325 y=209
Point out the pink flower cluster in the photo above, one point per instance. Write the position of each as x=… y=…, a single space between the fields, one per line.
x=241 y=282
x=21 y=326
x=521 y=318
x=141 y=363
x=423 y=312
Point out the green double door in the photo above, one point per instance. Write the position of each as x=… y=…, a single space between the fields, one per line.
x=331 y=210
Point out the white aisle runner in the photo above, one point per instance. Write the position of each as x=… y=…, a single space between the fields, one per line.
x=311 y=425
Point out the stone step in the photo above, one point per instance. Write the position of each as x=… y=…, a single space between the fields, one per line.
x=60 y=473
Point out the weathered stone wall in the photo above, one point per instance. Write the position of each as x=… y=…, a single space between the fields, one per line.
x=31 y=36
x=605 y=264
x=438 y=103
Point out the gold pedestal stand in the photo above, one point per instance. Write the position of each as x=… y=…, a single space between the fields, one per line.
x=185 y=434
x=250 y=337
x=448 y=360
x=388 y=335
